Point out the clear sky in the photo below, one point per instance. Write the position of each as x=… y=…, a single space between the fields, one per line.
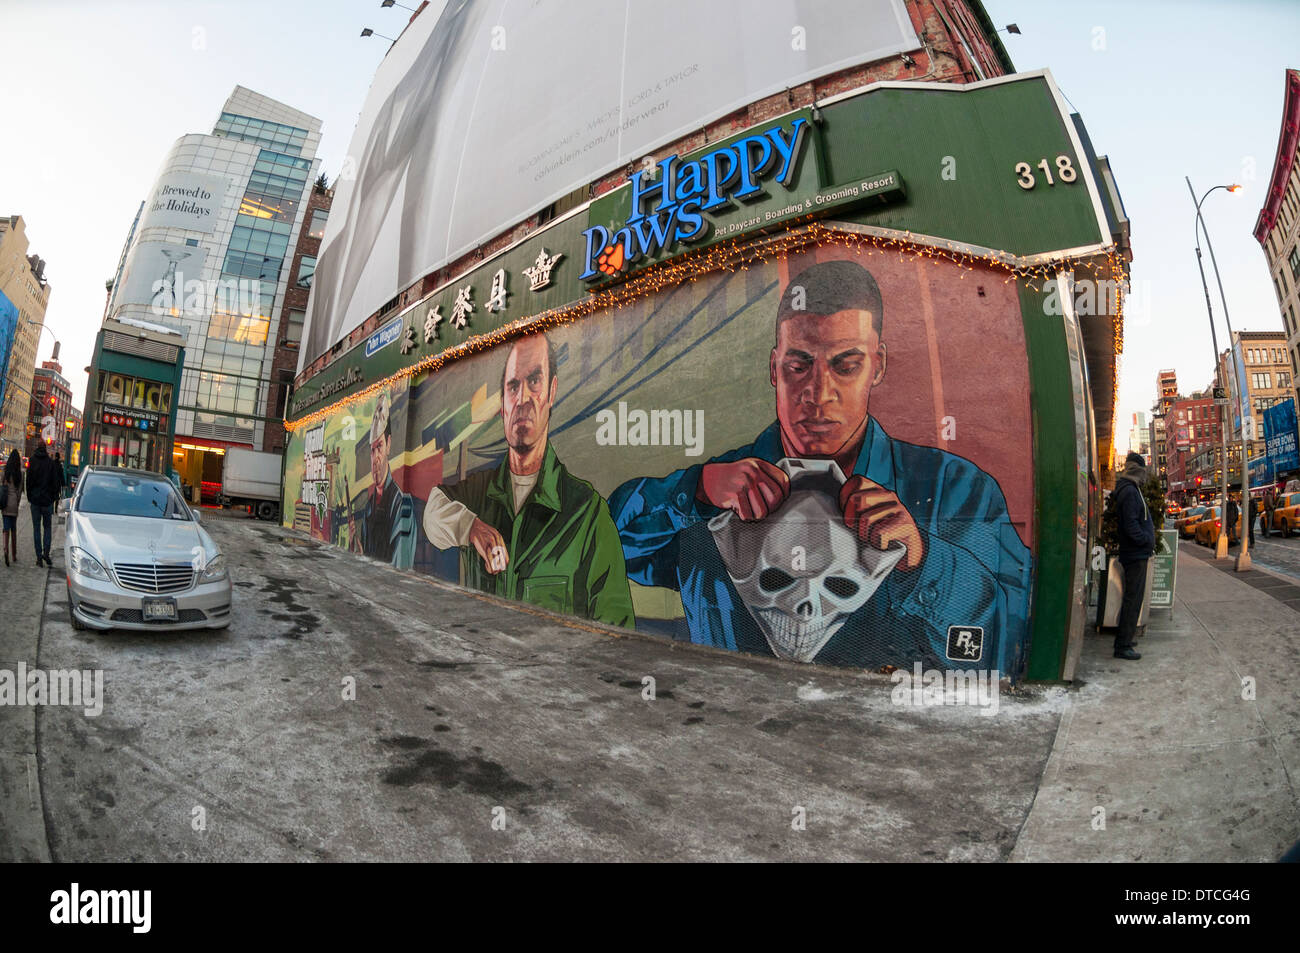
x=1167 y=90
x=94 y=92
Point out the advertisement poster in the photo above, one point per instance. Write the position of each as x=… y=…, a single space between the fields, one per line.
x=188 y=200
x=1164 y=570
x=163 y=275
x=8 y=331
x=1280 y=444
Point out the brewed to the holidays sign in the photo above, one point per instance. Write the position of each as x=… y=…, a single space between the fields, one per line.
x=186 y=200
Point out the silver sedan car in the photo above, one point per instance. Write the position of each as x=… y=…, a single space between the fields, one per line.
x=137 y=557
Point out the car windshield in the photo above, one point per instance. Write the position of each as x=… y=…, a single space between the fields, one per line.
x=123 y=494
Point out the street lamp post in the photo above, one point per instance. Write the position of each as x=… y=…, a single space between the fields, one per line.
x=1243 y=560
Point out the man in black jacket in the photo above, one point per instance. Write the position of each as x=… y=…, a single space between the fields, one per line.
x=1137 y=543
x=44 y=487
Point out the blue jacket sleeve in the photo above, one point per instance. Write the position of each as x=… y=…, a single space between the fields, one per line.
x=976 y=571
x=649 y=513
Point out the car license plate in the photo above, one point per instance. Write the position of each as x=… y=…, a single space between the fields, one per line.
x=159 y=609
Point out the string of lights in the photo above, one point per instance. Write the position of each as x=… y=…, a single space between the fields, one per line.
x=740 y=254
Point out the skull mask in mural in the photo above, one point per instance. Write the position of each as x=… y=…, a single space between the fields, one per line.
x=801 y=572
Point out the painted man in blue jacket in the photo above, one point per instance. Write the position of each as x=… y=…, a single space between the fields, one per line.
x=959 y=595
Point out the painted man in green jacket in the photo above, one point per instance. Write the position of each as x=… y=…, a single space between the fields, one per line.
x=528 y=529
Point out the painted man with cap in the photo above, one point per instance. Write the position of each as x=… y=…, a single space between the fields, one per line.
x=388 y=520
x=958 y=597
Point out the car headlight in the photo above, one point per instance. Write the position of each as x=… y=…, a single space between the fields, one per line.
x=85 y=564
x=215 y=568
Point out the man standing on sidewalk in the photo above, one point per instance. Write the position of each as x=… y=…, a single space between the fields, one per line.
x=1137 y=541
x=44 y=486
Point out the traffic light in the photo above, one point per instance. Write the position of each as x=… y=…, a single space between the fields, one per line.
x=1198 y=481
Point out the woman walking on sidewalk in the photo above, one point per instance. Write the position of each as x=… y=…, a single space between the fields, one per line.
x=12 y=492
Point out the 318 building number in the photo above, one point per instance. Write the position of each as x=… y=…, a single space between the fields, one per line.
x=1064 y=171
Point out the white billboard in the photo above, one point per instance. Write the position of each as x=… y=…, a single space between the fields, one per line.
x=186 y=200
x=161 y=275
x=486 y=111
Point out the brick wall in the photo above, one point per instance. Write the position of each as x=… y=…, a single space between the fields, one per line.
x=285 y=362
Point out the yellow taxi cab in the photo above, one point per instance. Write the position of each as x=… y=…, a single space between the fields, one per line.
x=1187 y=520
x=1286 y=515
x=1207 y=529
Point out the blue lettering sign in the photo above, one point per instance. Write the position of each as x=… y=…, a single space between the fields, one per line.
x=385 y=336
x=1280 y=444
x=669 y=207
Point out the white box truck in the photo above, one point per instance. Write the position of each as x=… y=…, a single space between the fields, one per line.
x=252 y=478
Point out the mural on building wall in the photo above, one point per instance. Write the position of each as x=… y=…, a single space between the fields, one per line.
x=824 y=458
x=348 y=492
x=527 y=528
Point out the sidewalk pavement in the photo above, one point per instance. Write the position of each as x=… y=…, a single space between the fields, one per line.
x=22 y=602
x=1192 y=753
x=1171 y=758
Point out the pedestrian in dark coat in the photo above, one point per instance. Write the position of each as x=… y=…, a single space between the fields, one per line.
x=13 y=483
x=44 y=487
x=1137 y=543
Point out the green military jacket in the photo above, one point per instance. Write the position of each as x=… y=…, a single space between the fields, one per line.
x=565 y=553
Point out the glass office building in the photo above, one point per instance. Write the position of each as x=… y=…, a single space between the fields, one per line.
x=209 y=259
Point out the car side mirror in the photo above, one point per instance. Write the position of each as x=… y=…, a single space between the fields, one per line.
x=196 y=516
